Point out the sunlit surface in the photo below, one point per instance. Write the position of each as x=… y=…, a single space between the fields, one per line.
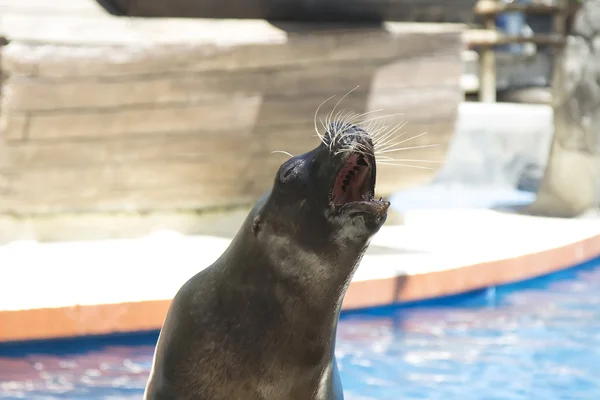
x=535 y=340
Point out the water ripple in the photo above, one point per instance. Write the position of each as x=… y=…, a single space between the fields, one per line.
x=541 y=341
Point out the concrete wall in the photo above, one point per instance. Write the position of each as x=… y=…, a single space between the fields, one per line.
x=500 y=145
x=171 y=115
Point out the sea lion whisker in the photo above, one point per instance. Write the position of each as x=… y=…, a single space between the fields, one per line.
x=358 y=148
x=391 y=160
x=389 y=135
x=358 y=120
x=315 y=118
x=381 y=131
x=414 y=137
x=357 y=116
x=391 y=140
x=345 y=117
x=381 y=134
x=331 y=113
x=340 y=124
x=282 y=152
x=323 y=125
x=387 y=146
x=407 y=148
x=403 y=141
x=389 y=143
x=351 y=121
x=337 y=118
x=404 y=165
x=380 y=117
x=375 y=127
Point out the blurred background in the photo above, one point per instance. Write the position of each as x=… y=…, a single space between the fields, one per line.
x=133 y=130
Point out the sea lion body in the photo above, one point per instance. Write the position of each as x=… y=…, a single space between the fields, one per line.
x=260 y=322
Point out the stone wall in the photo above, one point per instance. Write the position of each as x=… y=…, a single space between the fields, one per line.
x=571 y=184
x=170 y=115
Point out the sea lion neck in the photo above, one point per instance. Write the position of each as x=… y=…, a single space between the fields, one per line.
x=299 y=318
x=304 y=272
x=302 y=283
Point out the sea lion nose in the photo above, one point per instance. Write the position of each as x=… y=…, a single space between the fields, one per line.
x=349 y=135
x=357 y=137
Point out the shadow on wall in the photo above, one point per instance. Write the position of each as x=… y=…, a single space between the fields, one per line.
x=113 y=7
x=300 y=10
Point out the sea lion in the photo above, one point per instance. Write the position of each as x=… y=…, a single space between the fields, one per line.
x=260 y=323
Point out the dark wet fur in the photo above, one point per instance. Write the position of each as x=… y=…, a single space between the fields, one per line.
x=260 y=322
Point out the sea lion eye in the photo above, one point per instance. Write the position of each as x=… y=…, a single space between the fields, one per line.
x=288 y=172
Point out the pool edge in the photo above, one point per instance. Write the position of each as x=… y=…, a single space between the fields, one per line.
x=102 y=319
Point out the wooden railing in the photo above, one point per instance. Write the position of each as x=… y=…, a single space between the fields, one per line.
x=487 y=39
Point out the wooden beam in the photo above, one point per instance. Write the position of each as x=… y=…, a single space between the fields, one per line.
x=490 y=7
x=487 y=84
x=489 y=37
x=559 y=27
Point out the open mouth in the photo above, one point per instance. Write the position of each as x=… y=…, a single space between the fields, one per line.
x=355 y=182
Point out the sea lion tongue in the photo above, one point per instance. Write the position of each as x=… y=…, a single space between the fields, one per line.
x=353 y=187
x=353 y=181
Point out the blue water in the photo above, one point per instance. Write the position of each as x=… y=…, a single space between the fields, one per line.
x=536 y=340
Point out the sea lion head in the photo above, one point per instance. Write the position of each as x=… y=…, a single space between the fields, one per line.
x=326 y=196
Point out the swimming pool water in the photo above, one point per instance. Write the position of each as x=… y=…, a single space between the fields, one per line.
x=536 y=340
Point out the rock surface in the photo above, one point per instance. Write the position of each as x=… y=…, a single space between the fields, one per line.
x=571 y=184
x=108 y=114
